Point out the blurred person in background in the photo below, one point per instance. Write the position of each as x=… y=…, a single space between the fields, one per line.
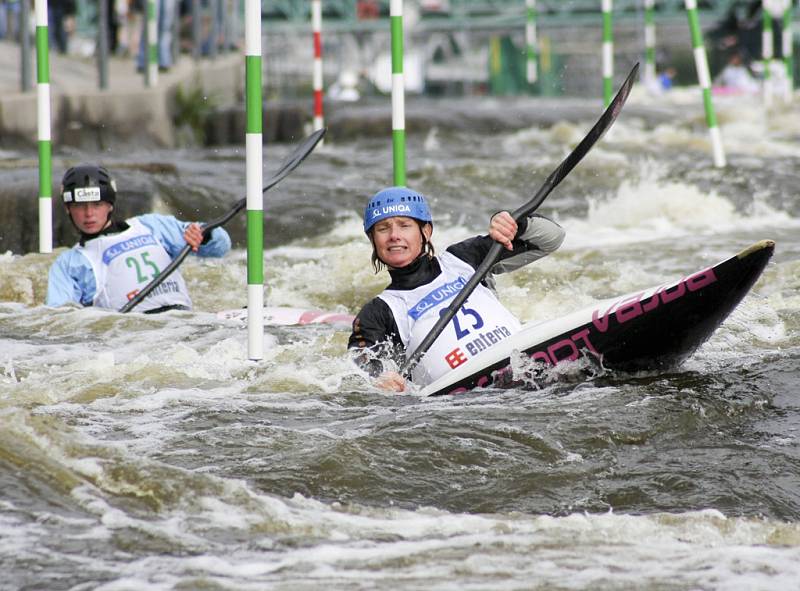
x=9 y=19
x=166 y=20
x=60 y=23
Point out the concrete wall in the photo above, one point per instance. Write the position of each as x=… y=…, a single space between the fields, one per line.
x=84 y=116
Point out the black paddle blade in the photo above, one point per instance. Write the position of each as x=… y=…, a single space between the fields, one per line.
x=600 y=128
x=295 y=158
x=603 y=124
x=291 y=162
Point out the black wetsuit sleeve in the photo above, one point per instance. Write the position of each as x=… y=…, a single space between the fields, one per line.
x=375 y=339
x=537 y=236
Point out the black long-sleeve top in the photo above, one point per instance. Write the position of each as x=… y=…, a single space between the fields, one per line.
x=375 y=337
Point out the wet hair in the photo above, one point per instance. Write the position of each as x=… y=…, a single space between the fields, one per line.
x=427 y=248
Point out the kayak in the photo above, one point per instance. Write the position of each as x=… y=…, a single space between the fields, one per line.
x=284 y=316
x=650 y=329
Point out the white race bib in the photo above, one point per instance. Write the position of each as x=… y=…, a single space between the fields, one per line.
x=480 y=323
x=125 y=263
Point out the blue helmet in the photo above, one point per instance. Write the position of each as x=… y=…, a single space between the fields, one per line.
x=393 y=202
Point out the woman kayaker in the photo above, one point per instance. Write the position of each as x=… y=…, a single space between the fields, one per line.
x=398 y=222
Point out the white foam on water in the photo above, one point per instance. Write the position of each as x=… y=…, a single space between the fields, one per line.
x=353 y=545
x=650 y=210
x=286 y=370
x=746 y=125
x=760 y=132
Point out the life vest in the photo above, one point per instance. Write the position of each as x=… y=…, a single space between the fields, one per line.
x=481 y=322
x=124 y=263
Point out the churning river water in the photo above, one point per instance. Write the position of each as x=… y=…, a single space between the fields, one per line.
x=147 y=452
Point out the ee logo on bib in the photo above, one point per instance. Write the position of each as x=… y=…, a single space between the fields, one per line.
x=455 y=358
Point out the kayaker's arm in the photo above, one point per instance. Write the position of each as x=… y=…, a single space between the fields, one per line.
x=375 y=343
x=70 y=280
x=170 y=231
x=537 y=236
x=540 y=237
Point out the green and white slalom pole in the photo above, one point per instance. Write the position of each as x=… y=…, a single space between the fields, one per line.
x=43 y=127
x=151 y=43
x=532 y=70
x=398 y=94
x=788 y=49
x=767 y=40
x=608 y=51
x=316 y=29
x=254 y=174
x=649 y=42
x=704 y=78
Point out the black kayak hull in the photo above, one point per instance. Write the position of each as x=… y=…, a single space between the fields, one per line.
x=651 y=329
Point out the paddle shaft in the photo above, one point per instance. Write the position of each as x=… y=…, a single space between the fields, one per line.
x=288 y=166
x=603 y=124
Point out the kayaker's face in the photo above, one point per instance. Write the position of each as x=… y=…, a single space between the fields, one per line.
x=398 y=240
x=90 y=217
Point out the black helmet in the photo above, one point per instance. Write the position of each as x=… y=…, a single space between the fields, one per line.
x=88 y=182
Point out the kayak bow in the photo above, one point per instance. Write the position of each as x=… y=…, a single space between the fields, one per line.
x=650 y=329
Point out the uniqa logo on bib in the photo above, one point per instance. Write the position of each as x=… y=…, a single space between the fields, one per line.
x=387 y=209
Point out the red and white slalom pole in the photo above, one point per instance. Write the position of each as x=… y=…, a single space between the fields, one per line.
x=316 y=27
